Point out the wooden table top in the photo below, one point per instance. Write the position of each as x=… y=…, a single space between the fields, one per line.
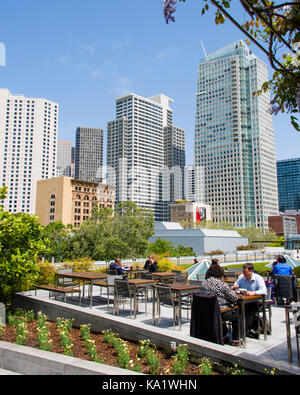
x=183 y=287
x=249 y=298
x=140 y=281
x=163 y=274
x=83 y=275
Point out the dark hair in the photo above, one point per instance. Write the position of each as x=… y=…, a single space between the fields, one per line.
x=282 y=259
x=215 y=271
x=214 y=261
x=248 y=266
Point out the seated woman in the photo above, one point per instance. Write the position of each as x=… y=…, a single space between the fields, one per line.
x=151 y=264
x=225 y=296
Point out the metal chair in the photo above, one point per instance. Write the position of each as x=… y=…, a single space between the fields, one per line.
x=122 y=291
x=181 y=278
x=200 y=277
x=176 y=271
x=109 y=285
x=166 y=298
x=168 y=280
x=268 y=303
x=111 y=271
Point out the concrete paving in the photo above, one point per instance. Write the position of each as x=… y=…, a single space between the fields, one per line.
x=273 y=351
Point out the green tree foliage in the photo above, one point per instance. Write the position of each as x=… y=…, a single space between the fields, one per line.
x=20 y=245
x=107 y=234
x=275 y=28
x=55 y=235
x=166 y=247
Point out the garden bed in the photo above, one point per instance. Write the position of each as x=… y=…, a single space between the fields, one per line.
x=106 y=347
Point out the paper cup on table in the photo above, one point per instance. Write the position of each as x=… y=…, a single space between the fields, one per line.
x=243 y=291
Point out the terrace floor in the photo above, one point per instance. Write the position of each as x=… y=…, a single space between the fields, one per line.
x=268 y=354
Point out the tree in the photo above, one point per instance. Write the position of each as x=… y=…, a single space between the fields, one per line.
x=55 y=236
x=275 y=29
x=20 y=245
x=107 y=234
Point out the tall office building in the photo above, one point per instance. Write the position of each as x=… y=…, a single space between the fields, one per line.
x=28 y=147
x=189 y=179
x=64 y=158
x=288 y=177
x=234 y=138
x=89 y=154
x=135 y=150
x=174 y=162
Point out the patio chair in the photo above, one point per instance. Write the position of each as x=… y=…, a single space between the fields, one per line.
x=111 y=271
x=200 y=277
x=176 y=271
x=166 y=298
x=109 y=285
x=206 y=322
x=168 y=280
x=284 y=287
x=181 y=278
x=122 y=291
x=268 y=303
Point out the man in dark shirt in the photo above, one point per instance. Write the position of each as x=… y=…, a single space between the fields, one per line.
x=117 y=265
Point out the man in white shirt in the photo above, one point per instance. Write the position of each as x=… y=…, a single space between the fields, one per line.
x=255 y=285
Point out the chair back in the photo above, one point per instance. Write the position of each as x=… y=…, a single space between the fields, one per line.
x=146 y=276
x=164 y=295
x=181 y=278
x=110 y=280
x=111 y=271
x=201 y=277
x=206 y=320
x=195 y=282
x=283 y=286
x=168 y=280
x=176 y=271
x=230 y=274
x=122 y=288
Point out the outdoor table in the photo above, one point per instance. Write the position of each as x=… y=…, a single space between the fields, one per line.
x=161 y=275
x=141 y=283
x=85 y=276
x=135 y=272
x=242 y=301
x=179 y=290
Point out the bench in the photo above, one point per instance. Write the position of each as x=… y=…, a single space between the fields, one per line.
x=62 y=290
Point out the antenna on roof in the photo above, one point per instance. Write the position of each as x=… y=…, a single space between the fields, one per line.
x=203 y=49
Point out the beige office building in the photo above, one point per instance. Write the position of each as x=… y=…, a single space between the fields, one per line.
x=191 y=212
x=71 y=201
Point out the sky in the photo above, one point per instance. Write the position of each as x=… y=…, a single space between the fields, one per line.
x=84 y=54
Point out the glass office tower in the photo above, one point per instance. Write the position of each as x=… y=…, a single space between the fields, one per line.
x=234 y=138
x=288 y=177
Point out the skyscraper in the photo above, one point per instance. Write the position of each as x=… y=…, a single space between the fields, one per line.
x=64 y=158
x=234 y=138
x=89 y=154
x=135 y=149
x=28 y=147
x=288 y=176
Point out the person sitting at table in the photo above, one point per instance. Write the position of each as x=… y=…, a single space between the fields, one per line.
x=225 y=296
x=151 y=264
x=214 y=262
x=117 y=265
x=282 y=267
x=255 y=285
